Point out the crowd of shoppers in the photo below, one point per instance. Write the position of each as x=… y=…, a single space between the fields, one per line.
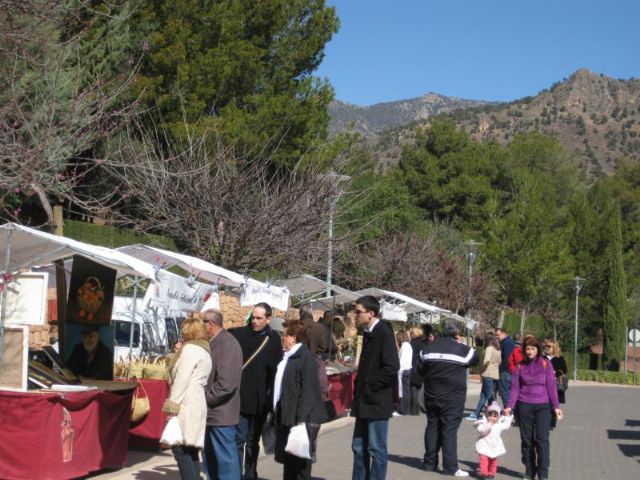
x=224 y=385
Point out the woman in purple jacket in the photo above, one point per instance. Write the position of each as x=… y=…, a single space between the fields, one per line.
x=533 y=391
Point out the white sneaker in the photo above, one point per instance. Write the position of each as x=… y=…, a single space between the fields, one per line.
x=461 y=473
x=396 y=414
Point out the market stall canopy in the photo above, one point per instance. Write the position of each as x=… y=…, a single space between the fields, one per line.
x=25 y=247
x=408 y=304
x=307 y=287
x=195 y=266
x=252 y=291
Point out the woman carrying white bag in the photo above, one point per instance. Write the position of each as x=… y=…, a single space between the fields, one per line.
x=297 y=404
x=188 y=371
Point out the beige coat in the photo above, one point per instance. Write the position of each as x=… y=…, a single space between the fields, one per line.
x=188 y=380
x=491 y=363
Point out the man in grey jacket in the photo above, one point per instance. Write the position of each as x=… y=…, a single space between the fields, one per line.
x=223 y=400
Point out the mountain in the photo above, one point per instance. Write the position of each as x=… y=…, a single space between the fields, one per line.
x=596 y=118
x=372 y=120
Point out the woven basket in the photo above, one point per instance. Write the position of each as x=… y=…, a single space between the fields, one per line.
x=156 y=370
x=140 y=406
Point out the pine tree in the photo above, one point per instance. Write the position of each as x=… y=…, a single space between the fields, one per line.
x=615 y=311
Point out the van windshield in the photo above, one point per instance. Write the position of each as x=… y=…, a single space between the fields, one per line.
x=122 y=332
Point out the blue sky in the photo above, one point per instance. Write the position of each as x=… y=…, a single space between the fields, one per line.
x=478 y=49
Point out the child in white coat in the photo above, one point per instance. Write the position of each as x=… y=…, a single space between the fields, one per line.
x=489 y=444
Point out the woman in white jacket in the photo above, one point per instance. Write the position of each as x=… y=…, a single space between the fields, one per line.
x=189 y=370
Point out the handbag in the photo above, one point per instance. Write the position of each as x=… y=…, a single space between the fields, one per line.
x=139 y=405
x=298 y=442
x=562 y=383
x=172 y=433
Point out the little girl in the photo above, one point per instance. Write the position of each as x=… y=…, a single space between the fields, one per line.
x=489 y=444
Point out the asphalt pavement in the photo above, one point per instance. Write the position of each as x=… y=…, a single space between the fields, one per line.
x=599 y=438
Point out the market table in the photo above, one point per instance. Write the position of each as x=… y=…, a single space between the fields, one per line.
x=341 y=391
x=55 y=435
x=146 y=433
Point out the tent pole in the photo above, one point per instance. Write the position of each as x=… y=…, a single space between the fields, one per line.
x=133 y=316
x=5 y=290
x=61 y=304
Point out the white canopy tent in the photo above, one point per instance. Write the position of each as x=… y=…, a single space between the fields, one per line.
x=251 y=290
x=22 y=247
x=428 y=313
x=308 y=288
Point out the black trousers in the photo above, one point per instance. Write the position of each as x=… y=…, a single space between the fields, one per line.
x=535 y=421
x=443 y=421
x=188 y=461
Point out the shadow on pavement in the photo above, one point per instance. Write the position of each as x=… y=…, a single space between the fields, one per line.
x=412 y=462
x=623 y=435
x=632 y=423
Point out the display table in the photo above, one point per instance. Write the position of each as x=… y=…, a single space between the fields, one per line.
x=62 y=435
x=146 y=433
x=341 y=391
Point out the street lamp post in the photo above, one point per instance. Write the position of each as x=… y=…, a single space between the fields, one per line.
x=578 y=282
x=332 y=176
x=472 y=251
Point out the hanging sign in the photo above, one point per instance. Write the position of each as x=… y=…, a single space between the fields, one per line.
x=27 y=299
x=176 y=293
x=255 y=292
x=389 y=311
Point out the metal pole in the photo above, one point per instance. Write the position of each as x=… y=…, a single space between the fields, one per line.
x=626 y=344
x=330 y=247
x=5 y=290
x=575 y=341
x=577 y=283
x=133 y=315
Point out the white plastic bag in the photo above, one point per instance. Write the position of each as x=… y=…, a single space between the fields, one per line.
x=172 y=433
x=298 y=442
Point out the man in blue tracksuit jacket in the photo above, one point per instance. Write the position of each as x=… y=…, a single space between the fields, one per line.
x=443 y=364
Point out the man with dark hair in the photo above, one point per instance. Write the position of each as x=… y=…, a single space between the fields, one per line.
x=223 y=400
x=373 y=396
x=261 y=353
x=506 y=348
x=444 y=365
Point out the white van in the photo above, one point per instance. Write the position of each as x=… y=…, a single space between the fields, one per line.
x=153 y=332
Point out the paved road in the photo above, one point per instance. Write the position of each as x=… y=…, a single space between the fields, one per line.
x=599 y=438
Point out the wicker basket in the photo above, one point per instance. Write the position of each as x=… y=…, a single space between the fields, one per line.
x=140 y=405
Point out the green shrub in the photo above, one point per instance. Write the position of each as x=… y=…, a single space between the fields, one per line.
x=112 y=237
x=604 y=376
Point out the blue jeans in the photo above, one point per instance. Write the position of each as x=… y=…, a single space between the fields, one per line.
x=369 y=445
x=505 y=387
x=486 y=394
x=220 y=453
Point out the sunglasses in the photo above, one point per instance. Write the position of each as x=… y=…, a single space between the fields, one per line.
x=493 y=414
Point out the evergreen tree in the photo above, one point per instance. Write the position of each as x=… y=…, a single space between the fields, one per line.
x=243 y=65
x=615 y=312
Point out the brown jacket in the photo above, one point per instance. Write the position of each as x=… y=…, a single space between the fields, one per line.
x=317 y=342
x=223 y=386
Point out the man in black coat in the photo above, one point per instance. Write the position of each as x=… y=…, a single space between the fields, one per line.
x=373 y=396
x=444 y=366
x=256 y=385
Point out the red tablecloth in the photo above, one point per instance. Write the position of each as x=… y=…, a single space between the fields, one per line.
x=146 y=433
x=33 y=432
x=341 y=391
